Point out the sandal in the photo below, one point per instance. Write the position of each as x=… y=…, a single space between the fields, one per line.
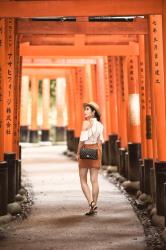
x=93 y=209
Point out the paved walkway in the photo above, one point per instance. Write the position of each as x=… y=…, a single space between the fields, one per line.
x=57 y=220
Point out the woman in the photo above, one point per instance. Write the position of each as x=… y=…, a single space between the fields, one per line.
x=91 y=137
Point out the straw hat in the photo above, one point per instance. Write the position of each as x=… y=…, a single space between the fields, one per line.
x=93 y=105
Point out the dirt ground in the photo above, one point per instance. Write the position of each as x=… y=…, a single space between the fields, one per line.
x=57 y=219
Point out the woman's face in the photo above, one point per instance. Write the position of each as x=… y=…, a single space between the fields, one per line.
x=88 y=113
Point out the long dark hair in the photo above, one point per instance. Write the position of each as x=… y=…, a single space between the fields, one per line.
x=97 y=116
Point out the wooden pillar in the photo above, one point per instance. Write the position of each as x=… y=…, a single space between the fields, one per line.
x=79 y=95
x=70 y=110
x=9 y=85
x=134 y=133
x=150 y=131
x=17 y=101
x=101 y=88
x=142 y=95
x=24 y=107
x=158 y=91
x=2 y=80
x=164 y=41
x=94 y=82
x=60 y=108
x=113 y=96
x=159 y=102
x=124 y=96
x=9 y=99
x=45 y=109
x=88 y=86
x=34 y=110
x=113 y=133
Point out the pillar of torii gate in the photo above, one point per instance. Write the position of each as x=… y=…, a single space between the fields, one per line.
x=127 y=77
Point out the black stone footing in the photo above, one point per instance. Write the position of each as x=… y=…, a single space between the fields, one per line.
x=160 y=170
x=33 y=136
x=19 y=151
x=142 y=177
x=18 y=175
x=10 y=158
x=165 y=202
x=60 y=133
x=76 y=142
x=126 y=164
x=134 y=150
x=112 y=149
x=3 y=187
x=105 y=153
x=70 y=139
x=45 y=135
x=153 y=184
x=122 y=167
x=117 y=147
x=148 y=164
x=24 y=133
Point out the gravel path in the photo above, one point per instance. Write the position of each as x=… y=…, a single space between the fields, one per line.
x=57 y=218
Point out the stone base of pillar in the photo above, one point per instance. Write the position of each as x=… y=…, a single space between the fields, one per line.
x=112 y=150
x=105 y=153
x=45 y=135
x=3 y=187
x=134 y=150
x=148 y=164
x=33 y=136
x=76 y=142
x=117 y=147
x=127 y=164
x=122 y=168
x=60 y=133
x=142 y=177
x=70 y=139
x=18 y=175
x=24 y=132
x=160 y=170
x=10 y=158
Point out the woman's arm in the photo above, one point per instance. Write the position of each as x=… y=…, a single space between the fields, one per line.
x=81 y=143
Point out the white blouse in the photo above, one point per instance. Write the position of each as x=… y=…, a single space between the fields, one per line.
x=94 y=134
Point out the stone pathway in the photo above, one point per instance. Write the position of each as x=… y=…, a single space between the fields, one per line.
x=57 y=220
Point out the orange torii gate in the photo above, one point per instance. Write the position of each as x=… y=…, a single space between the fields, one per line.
x=84 y=42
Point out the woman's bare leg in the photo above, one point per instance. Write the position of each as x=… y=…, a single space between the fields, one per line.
x=85 y=187
x=95 y=186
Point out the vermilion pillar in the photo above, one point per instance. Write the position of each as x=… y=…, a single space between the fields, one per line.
x=101 y=94
x=79 y=95
x=134 y=132
x=60 y=108
x=113 y=133
x=45 y=109
x=94 y=82
x=88 y=85
x=70 y=109
x=34 y=110
x=124 y=99
x=159 y=102
x=158 y=91
x=9 y=85
x=150 y=132
x=2 y=80
x=142 y=95
x=107 y=106
x=101 y=99
x=24 y=107
x=134 y=100
x=17 y=104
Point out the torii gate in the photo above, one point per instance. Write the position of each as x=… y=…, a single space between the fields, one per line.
x=83 y=44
